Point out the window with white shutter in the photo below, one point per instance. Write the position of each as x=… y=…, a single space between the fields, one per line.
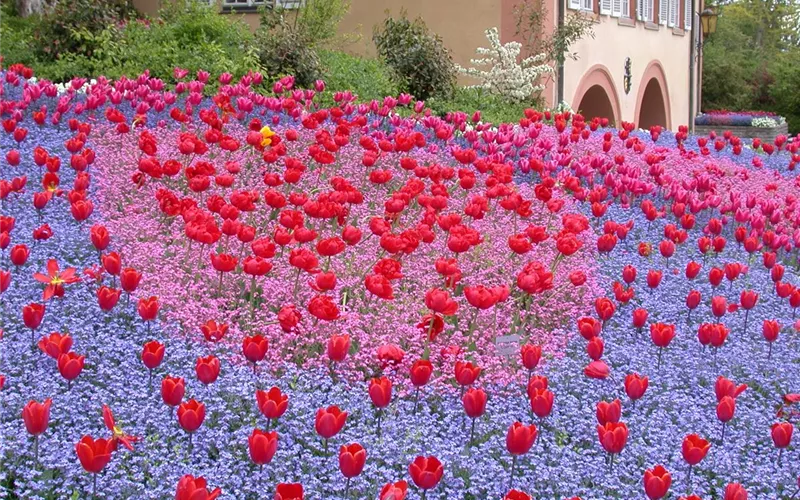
x=626 y=9
x=672 y=9
x=688 y=14
x=605 y=7
x=644 y=10
x=575 y=4
x=587 y=5
x=640 y=10
x=663 y=11
x=616 y=8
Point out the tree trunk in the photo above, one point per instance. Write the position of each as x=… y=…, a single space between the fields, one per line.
x=27 y=7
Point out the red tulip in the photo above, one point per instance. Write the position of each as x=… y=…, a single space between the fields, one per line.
x=394 y=491
x=329 y=421
x=517 y=495
x=207 y=369
x=662 y=334
x=782 y=434
x=172 y=390
x=19 y=255
x=595 y=348
x=100 y=237
x=255 y=348
x=152 y=354
x=694 y=449
x=191 y=415
x=719 y=306
x=474 y=402
x=542 y=402
x=531 y=354
x=94 y=454
x=657 y=482
x=520 y=438
x=380 y=391
x=653 y=278
x=692 y=270
x=272 y=404
x=36 y=416
x=608 y=412
x=629 y=274
x=596 y=370
x=735 y=491
x=635 y=386
x=262 y=446
x=195 y=488
x=338 y=347
x=32 y=315
x=466 y=373
x=107 y=298
x=213 y=331
x=55 y=344
x=726 y=409
x=426 y=472
x=420 y=372
x=604 y=308
x=589 y=327
x=112 y=263
x=724 y=387
x=352 y=458
x=640 y=318
x=70 y=366
x=613 y=436
x=289 y=491
x=148 y=308
x=770 y=329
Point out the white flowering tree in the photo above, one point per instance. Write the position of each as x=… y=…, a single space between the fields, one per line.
x=503 y=75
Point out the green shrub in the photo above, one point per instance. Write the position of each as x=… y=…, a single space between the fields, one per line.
x=185 y=34
x=285 y=50
x=367 y=78
x=55 y=35
x=419 y=59
x=16 y=36
x=493 y=109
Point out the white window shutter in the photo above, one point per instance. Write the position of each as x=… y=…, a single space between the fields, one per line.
x=626 y=9
x=616 y=8
x=587 y=5
x=663 y=11
x=688 y=14
x=605 y=7
x=640 y=10
x=649 y=14
x=574 y=4
x=670 y=13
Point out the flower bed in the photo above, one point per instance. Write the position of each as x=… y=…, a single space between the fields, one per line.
x=747 y=124
x=546 y=309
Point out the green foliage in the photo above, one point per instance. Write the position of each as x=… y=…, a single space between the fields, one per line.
x=367 y=78
x=185 y=34
x=493 y=109
x=283 y=49
x=750 y=63
x=319 y=20
x=531 y=17
x=55 y=35
x=419 y=59
x=16 y=35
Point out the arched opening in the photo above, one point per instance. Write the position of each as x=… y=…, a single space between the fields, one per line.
x=653 y=110
x=596 y=95
x=595 y=103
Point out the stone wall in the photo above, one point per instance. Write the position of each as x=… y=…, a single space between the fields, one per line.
x=765 y=134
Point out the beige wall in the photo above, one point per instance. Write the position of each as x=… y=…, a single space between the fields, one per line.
x=460 y=23
x=613 y=43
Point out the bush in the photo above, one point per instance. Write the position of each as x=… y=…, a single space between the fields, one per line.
x=493 y=108
x=185 y=34
x=419 y=59
x=367 y=78
x=283 y=49
x=55 y=35
x=16 y=34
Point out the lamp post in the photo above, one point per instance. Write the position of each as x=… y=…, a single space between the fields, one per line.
x=708 y=25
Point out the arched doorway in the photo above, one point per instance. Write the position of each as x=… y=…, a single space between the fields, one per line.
x=596 y=95
x=652 y=99
x=595 y=103
x=652 y=111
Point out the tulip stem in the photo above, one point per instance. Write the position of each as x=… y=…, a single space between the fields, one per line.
x=416 y=400
x=746 y=313
x=722 y=440
x=326 y=447
x=769 y=352
x=689 y=478
x=346 y=487
x=94 y=485
x=795 y=494
x=660 y=350
x=513 y=466
x=36 y=449
x=471 y=431
x=380 y=412
x=610 y=462
x=424 y=494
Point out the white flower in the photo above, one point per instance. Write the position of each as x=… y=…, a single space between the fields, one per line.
x=505 y=77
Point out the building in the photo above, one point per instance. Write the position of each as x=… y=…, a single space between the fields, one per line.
x=641 y=66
